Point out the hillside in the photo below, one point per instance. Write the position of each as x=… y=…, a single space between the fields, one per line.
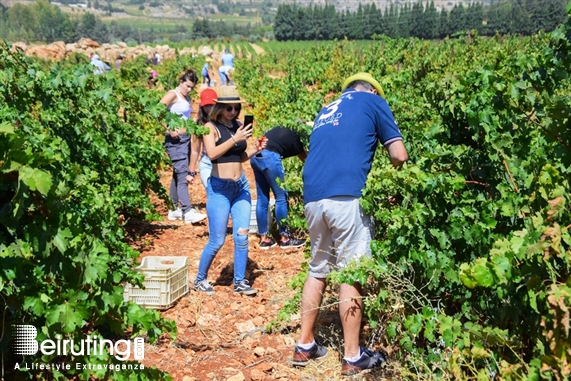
x=248 y=10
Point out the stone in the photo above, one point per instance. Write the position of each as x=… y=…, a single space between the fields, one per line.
x=237 y=377
x=256 y=375
x=259 y=351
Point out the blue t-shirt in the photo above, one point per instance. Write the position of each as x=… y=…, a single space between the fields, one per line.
x=228 y=60
x=343 y=143
x=205 y=69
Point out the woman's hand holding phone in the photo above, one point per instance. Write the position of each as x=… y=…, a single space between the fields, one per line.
x=243 y=133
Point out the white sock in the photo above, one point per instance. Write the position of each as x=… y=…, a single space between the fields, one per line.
x=353 y=359
x=306 y=347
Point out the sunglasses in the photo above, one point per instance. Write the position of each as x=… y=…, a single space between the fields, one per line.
x=233 y=108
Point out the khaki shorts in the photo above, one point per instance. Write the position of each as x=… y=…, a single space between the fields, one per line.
x=339 y=231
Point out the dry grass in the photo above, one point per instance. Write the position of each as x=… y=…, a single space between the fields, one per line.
x=330 y=333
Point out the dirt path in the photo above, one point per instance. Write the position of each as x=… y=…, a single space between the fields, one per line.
x=224 y=335
x=259 y=50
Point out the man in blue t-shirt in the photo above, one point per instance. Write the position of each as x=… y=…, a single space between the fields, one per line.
x=227 y=58
x=341 y=149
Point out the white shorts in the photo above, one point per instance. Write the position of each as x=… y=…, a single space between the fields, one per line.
x=339 y=231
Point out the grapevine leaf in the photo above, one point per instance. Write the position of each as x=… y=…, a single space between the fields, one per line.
x=61 y=239
x=6 y=128
x=482 y=273
x=36 y=179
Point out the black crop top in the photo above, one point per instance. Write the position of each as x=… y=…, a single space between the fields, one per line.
x=234 y=154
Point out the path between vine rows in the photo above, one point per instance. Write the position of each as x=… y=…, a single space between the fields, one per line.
x=223 y=337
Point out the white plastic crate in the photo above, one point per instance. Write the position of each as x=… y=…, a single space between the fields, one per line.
x=254 y=222
x=166 y=281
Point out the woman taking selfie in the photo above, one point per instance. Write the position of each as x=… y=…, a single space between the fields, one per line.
x=228 y=191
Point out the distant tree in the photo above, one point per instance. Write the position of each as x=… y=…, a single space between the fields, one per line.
x=368 y=20
x=535 y=8
x=474 y=16
x=555 y=14
x=404 y=22
x=343 y=25
x=220 y=29
x=202 y=28
x=444 y=24
x=284 y=23
x=101 y=32
x=223 y=8
x=431 y=21
x=376 y=21
x=21 y=21
x=391 y=21
x=329 y=25
x=356 y=24
x=518 y=17
x=417 y=20
x=53 y=24
x=458 y=18
x=502 y=21
x=303 y=29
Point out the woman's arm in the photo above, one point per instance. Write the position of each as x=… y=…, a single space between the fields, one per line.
x=195 y=151
x=168 y=100
x=260 y=146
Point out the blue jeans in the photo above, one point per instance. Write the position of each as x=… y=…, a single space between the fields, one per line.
x=268 y=168
x=223 y=78
x=206 y=78
x=227 y=197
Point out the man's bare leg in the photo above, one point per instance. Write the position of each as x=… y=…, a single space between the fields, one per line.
x=351 y=312
x=310 y=302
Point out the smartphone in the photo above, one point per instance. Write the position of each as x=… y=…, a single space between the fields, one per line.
x=248 y=119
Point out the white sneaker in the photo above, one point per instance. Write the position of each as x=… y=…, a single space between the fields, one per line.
x=175 y=214
x=192 y=216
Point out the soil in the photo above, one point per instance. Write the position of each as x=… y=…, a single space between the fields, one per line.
x=224 y=337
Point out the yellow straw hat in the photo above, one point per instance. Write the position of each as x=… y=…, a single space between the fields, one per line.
x=367 y=78
x=228 y=94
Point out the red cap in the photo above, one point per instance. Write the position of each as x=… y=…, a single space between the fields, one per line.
x=207 y=97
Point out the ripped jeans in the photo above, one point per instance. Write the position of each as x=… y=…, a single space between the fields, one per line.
x=227 y=197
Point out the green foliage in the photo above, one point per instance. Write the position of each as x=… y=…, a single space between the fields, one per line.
x=471 y=263
x=79 y=153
